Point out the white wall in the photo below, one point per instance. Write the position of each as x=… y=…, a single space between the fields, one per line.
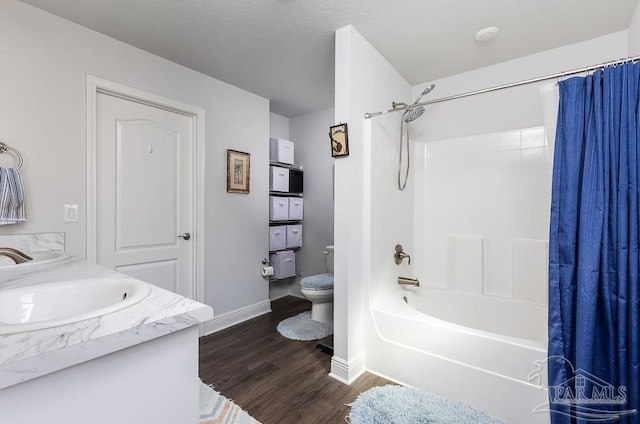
x=512 y=108
x=311 y=135
x=42 y=114
x=365 y=82
x=438 y=205
x=278 y=126
x=634 y=33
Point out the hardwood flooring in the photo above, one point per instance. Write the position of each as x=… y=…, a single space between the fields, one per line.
x=275 y=379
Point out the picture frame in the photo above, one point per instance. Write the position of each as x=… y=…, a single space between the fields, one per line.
x=339 y=136
x=238 y=171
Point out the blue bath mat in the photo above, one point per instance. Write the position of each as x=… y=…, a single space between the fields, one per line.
x=393 y=404
x=302 y=327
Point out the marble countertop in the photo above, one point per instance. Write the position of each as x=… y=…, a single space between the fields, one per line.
x=27 y=355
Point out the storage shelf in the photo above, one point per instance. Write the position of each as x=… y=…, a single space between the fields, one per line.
x=284 y=194
x=286 y=165
x=283 y=204
x=286 y=248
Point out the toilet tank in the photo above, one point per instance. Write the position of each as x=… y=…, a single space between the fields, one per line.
x=328 y=260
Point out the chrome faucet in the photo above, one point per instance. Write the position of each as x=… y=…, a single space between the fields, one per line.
x=399 y=255
x=17 y=256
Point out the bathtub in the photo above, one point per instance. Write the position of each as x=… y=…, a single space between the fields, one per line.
x=475 y=349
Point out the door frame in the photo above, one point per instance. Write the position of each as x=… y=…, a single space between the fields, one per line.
x=97 y=85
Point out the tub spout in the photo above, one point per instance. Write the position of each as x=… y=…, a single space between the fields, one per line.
x=15 y=255
x=408 y=281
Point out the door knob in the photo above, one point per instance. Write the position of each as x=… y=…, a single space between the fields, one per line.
x=185 y=236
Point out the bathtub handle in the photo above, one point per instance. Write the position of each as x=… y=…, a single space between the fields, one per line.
x=399 y=255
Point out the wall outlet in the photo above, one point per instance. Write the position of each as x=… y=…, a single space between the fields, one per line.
x=70 y=213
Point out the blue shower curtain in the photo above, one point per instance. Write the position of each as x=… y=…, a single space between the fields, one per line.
x=594 y=324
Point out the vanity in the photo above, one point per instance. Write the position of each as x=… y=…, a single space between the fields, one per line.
x=136 y=364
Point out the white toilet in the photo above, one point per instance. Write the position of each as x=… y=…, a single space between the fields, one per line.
x=318 y=289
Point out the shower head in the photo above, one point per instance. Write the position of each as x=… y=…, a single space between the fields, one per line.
x=411 y=115
x=425 y=92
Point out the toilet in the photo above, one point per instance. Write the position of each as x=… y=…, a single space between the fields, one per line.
x=318 y=289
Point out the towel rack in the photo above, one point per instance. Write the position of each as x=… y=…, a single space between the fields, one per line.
x=4 y=147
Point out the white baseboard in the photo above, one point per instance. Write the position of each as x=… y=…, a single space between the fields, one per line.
x=347 y=371
x=238 y=316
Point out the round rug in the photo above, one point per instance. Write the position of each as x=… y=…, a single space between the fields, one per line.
x=302 y=327
x=393 y=404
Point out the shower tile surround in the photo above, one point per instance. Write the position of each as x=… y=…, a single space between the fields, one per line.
x=25 y=356
x=488 y=233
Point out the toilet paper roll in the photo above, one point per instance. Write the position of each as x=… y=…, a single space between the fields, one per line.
x=267 y=271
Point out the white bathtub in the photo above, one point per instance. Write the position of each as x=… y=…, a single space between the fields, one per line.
x=474 y=349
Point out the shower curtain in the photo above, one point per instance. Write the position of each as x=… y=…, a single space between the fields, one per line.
x=594 y=325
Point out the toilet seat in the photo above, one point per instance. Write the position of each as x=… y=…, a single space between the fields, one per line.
x=317 y=282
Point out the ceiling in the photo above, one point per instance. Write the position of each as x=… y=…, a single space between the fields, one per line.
x=284 y=49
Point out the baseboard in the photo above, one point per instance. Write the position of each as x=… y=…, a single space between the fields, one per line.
x=347 y=371
x=238 y=316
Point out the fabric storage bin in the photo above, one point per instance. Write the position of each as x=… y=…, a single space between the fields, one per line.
x=283 y=263
x=294 y=236
x=278 y=237
x=281 y=150
x=278 y=179
x=278 y=208
x=295 y=208
x=295 y=181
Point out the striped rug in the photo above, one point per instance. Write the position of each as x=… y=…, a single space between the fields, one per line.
x=217 y=409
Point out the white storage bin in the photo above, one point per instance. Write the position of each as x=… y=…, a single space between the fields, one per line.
x=294 y=236
x=278 y=179
x=281 y=150
x=278 y=237
x=278 y=208
x=295 y=208
x=283 y=263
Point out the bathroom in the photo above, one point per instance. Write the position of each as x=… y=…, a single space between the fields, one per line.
x=52 y=57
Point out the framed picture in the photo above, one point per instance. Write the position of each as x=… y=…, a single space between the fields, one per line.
x=339 y=140
x=238 y=171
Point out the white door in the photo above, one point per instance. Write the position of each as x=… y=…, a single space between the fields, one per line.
x=144 y=192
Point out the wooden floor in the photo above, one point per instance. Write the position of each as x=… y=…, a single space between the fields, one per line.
x=277 y=380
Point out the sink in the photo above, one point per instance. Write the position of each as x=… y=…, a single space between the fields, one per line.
x=38 y=259
x=52 y=304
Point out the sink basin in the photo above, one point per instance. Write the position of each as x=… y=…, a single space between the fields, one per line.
x=38 y=258
x=52 y=304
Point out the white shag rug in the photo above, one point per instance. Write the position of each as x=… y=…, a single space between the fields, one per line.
x=394 y=404
x=302 y=327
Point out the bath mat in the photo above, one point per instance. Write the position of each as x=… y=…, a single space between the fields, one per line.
x=393 y=404
x=217 y=409
x=302 y=327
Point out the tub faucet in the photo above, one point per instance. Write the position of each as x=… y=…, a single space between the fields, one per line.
x=399 y=255
x=15 y=255
x=408 y=281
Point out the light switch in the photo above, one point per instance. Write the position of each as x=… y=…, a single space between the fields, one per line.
x=70 y=213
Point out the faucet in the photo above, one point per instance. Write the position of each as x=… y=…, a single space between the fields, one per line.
x=399 y=255
x=17 y=256
x=408 y=281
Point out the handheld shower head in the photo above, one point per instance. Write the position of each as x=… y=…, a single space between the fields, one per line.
x=426 y=91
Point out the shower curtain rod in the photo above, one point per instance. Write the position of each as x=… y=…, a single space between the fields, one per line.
x=500 y=87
